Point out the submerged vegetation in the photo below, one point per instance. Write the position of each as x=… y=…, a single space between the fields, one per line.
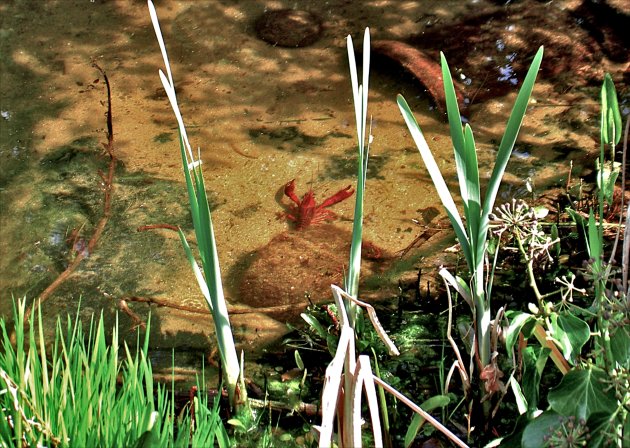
x=85 y=388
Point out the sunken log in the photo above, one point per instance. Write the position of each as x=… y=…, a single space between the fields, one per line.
x=424 y=68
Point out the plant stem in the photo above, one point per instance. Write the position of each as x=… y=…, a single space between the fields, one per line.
x=530 y=271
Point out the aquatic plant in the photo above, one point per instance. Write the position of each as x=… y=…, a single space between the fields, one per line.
x=82 y=391
x=585 y=332
x=472 y=235
x=210 y=280
x=360 y=101
x=347 y=376
x=344 y=364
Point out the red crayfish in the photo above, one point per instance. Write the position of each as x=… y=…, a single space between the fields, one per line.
x=306 y=211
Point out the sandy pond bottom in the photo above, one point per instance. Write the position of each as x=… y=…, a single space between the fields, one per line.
x=262 y=115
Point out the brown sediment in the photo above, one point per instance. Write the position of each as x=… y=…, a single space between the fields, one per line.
x=491 y=49
x=423 y=67
x=107 y=186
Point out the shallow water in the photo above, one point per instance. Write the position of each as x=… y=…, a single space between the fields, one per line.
x=262 y=115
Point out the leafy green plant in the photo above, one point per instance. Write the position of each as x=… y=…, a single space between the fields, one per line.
x=210 y=280
x=472 y=235
x=82 y=391
x=589 y=342
x=590 y=402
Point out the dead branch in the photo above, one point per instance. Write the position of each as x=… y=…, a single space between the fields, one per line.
x=107 y=187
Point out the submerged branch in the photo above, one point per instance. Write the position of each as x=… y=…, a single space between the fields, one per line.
x=107 y=187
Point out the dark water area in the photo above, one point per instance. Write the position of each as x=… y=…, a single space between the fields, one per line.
x=264 y=114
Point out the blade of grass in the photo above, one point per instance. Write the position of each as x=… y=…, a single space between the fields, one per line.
x=473 y=198
x=90 y=397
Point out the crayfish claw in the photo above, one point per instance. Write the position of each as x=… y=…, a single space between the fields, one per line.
x=342 y=194
x=289 y=191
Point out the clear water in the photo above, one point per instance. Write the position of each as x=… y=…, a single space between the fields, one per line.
x=262 y=115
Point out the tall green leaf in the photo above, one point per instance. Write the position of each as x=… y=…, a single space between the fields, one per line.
x=473 y=190
x=610 y=117
x=360 y=99
x=507 y=143
x=455 y=126
x=436 y=176
x=437 y=401
x=204 y=232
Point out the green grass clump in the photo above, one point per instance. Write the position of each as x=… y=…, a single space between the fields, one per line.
x=81 y=391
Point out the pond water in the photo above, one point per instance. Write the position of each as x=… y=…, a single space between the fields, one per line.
x=262 y=116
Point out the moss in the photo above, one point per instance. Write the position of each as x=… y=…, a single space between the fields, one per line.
x=65 y=195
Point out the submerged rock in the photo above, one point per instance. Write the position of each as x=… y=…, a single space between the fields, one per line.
x=289 y=27
x=297 y=266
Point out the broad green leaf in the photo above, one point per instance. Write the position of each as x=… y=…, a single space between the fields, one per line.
x=572 y=333
x=598 y=425
x=315 y=325
x=575 y=217
x=537 y=429
x=620 y=345
x=298 y=360
x=555 y=237
x=237 y=424
x=438 y=401
x=550 y=422
x=607 y=177
x=595 y=242
x=521 y=401
x=517 y=321
x=459 y=285
x=582 y=393
x=534 y=360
